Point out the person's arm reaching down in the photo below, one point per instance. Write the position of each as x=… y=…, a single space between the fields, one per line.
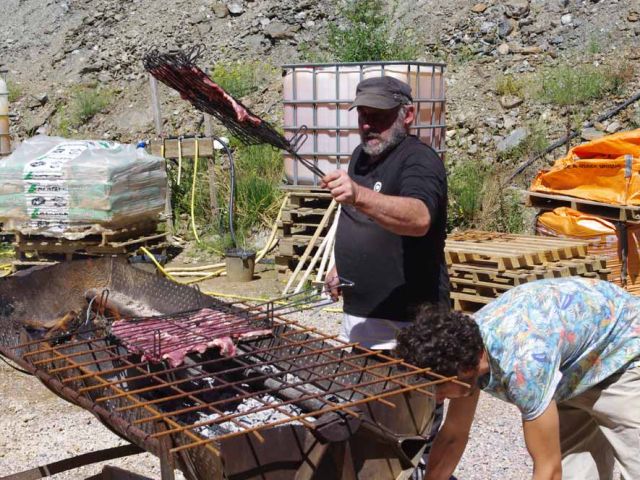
x=401 y=215
x=542 y=436
x=452 y=437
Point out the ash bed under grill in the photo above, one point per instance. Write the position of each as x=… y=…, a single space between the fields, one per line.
x=292 y=403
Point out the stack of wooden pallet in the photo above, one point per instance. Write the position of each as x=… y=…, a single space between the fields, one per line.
x=37 y=249
x=301 y=217
x=483 y=265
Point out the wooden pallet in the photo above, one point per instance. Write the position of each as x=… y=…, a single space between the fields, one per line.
x=31 y=248
x=509 y=252
x=484 y=265
x=469 y=303
x=487 y=279
x=293 y=246
x=545 y=201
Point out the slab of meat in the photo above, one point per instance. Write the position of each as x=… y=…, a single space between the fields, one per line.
x=192 y=83
x=215 y=92
x=172 y=338
x=177 y=70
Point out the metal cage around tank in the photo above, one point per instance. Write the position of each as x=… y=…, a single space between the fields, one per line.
x=317 y=98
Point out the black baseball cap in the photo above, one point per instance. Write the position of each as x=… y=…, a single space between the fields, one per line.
x=384 y=93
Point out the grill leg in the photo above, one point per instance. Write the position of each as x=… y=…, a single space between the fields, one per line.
x=167 y=465
x=342 y=456
x=314 y=456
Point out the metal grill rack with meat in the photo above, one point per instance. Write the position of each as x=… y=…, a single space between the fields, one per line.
x=178 y=70
x=291 y=403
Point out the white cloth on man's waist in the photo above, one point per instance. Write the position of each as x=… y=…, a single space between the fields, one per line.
x=374 y=333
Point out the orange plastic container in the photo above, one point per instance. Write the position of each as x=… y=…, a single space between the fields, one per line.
x=319 y=96
x=603 y=239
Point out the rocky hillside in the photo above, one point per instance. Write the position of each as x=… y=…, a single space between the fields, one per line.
x=495 y=51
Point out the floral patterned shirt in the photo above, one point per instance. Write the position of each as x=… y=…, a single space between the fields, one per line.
x=554 y=339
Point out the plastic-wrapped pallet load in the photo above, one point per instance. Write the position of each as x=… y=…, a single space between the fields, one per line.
x=65 y=188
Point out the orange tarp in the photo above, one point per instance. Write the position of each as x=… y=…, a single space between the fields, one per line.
x=571 y=223
x=597 y=171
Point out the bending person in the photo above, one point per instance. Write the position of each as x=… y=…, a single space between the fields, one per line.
x=566 y=352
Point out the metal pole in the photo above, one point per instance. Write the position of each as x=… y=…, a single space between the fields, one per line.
x=213 y=191
x=155 y=105
x=5 y=139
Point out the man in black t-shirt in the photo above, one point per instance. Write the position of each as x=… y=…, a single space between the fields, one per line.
x=392 y=225
x=391 y=231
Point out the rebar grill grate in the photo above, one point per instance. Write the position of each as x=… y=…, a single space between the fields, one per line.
x=297 y=367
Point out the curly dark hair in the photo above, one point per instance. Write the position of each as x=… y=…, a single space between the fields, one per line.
x=447 y=342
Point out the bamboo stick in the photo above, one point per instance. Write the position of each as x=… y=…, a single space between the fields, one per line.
x=312 y=243
x=323 y=246
x=329 y=250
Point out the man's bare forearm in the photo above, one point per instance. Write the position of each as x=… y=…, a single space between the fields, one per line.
x=444 y=456
x=542 y=437
x=400 y=215
x=452 y=438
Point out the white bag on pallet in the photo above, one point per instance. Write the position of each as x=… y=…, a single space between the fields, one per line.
x=72 y=188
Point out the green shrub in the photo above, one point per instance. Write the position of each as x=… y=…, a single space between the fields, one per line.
x=81 y=105
x=509 y=85
x=363 y=33
x=62 y=124
x=466 y=188
x=593 y=47
x=85 y=103
x=258 y=176
x=313 y=54
x=242 y=78
x=567 y=85
x=257 y=198
x=15 y=90
x=181 y=196
x=504 y=210
x=464 y=54
x=478 y=199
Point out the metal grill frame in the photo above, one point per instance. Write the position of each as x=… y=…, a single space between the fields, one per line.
x=331 y=378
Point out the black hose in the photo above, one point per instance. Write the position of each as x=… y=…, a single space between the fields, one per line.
x=571 y=135
x=15 y=367
x=232 y=189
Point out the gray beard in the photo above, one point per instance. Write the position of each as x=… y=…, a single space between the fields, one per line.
x=382 y=148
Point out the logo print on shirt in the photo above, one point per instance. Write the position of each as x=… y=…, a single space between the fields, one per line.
x=377 y=187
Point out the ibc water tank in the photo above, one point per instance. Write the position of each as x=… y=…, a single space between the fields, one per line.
x=319 y=97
